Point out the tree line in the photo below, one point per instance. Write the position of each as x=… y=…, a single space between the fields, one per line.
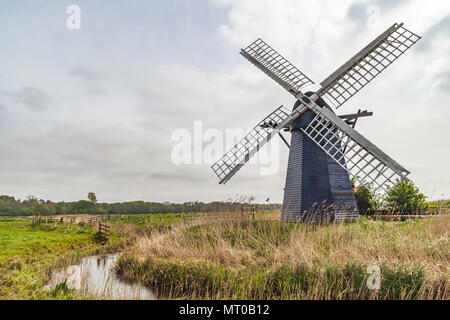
x=9 y=206
x=404 y=198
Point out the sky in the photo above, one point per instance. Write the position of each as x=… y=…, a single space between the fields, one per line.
x=103 y=108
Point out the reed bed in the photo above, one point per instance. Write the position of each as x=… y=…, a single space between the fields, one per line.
x=235 y=259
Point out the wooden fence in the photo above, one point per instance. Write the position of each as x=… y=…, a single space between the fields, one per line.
x=103 y=231
x=398 y=217
x=427 y=211
x=109 y=217
x=219 y=217
x=389 y=215
x=46 y=220
x=72 y=220
x=95 y=219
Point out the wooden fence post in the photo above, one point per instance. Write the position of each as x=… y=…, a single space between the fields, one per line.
x=104 y=229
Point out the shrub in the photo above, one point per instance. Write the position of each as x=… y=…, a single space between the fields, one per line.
x=364 y=199
x=405 y=197
x=61 y=289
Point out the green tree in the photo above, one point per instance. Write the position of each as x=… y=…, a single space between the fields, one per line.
x=405 y=197
x=83 y=206
x=92 y=197
x=364 y=199
x=7 y=198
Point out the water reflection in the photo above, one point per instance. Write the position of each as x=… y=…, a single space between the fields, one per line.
x=94 y=276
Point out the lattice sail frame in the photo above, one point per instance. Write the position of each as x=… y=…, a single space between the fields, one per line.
x=241 y=153
x=362 y=159
x=356 y=73
x=276 y=66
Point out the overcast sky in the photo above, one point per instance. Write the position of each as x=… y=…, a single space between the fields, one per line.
x=94 y=109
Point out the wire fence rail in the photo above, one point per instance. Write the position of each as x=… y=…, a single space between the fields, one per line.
x=421 y=213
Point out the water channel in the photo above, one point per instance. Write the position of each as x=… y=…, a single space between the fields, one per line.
x=95 y=277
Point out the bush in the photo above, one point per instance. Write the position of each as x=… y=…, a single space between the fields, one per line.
x=364 y=199
x=61 y=289
x=365 y=196
x=405 y=197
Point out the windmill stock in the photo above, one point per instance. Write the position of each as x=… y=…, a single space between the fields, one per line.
x=325 y=149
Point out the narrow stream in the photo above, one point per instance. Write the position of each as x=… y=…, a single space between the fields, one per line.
x=94 y=277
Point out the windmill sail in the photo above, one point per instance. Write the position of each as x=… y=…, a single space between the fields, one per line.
x=276 y=66
x=241 y=153
x=324 y=151
x=362 y=159
x=351 y=77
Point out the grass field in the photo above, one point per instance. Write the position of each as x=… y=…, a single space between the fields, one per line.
x=29 y=253
x=238 y=259
x=273 y=260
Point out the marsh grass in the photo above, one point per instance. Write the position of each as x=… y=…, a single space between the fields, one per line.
x=275 y=260
x=29 y=253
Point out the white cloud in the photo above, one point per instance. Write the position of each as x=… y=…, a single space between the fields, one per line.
x=409 y=99
x=107 y=123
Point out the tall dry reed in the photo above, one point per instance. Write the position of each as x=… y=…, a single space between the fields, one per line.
x=413 y=255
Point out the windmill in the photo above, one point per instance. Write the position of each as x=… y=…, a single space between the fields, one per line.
x=325 y=149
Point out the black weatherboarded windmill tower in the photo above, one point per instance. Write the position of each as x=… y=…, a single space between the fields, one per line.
x=325 y=149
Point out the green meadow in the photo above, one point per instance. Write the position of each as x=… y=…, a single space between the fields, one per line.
x=28 y=254
x=198 y=257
